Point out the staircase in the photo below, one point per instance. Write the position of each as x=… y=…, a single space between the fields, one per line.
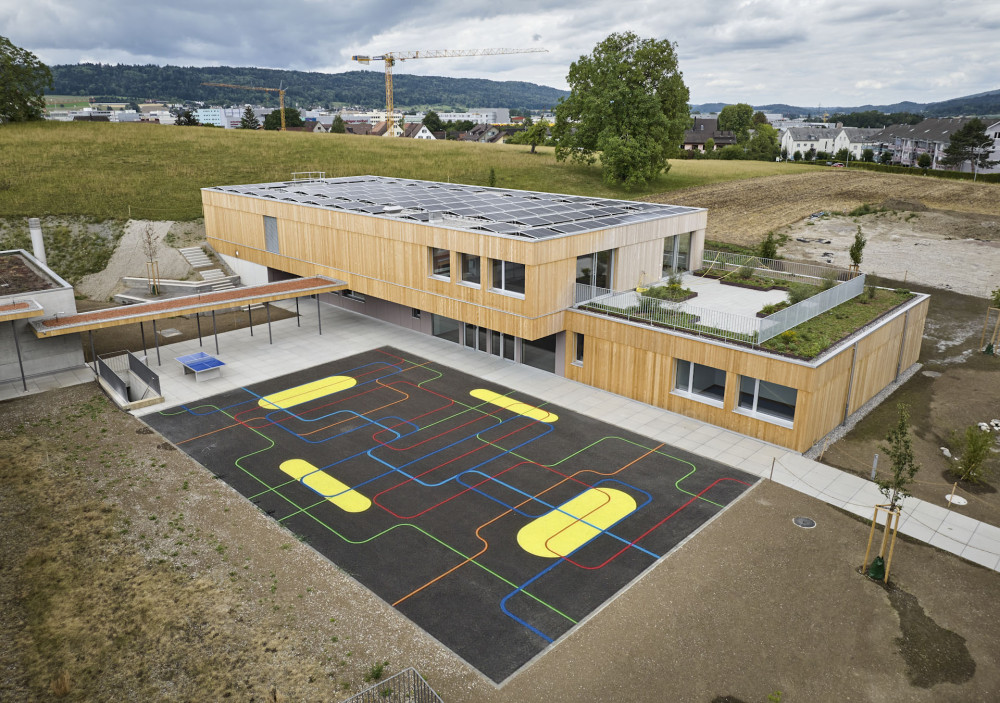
x=218 y=279
x=196 y=257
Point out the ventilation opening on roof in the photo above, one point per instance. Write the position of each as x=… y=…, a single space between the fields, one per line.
x=392 y=209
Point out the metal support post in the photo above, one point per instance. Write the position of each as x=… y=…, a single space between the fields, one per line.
x=298 y=320
x=20 y=364
x=156 y=341
x=197 y=319
x=215 y=331
x=250 y=315
x=319 y=318
x=142 y=331
x=93 y=354
x=267 y=308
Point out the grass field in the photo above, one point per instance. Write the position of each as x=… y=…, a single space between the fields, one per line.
x=155 y=172
x=67 y=102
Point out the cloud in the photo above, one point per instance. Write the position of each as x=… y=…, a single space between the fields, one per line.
x=834 y=52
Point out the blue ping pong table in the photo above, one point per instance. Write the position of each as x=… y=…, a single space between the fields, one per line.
x=202 y=365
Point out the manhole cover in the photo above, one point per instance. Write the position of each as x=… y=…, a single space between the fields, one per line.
x=806 y=522
x=956 y=500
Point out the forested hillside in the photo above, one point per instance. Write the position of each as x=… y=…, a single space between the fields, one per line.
x=177 y=83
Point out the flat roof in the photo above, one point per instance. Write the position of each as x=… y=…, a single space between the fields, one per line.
x=185 y=305
x=500 y=211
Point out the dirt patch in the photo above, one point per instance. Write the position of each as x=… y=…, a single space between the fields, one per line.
x=130 y=573
x=944 y=249
x=933 y=654
x=17 y=277
x=742 y=212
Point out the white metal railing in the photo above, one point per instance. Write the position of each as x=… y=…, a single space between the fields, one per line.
x=772 y=268
x=794 y=315
x=643 y=309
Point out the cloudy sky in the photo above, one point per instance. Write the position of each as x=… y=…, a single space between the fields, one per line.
x=816 y=52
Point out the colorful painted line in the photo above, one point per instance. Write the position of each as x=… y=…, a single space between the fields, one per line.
x=565 y=529
x=341 y=495
x=308 y=391
x=514 y=406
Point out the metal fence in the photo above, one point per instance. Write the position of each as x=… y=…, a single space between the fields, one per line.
x=405 y=687
x=772 y=268
x=144 y=373
x=644 y=309
x=809 y=308
x=112 y=378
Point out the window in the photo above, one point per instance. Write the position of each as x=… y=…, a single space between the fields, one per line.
x=767 y=401
x=353 y=295
x=700 y=382
x=445 y=328
x=508 y=277
x=441 y=263
x=271 y=235
x=595 y=269
x=470 y=269
x=578 y=350
x=415 y=313
x=675 y=253
x=540 y=353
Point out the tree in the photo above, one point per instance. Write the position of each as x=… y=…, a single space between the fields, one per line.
x=973 y=454
x=249 y=119
x=886 y=157
x=338 y=126
x=432 y=121
x=857 y=250
x=292 y=119
x=769 y=247
x=868 y=155
x=536 y=134
x=898 y=447
x=186 y=119
x=23 y=80
x=760 y=118
x=843 y=154
x=924 y=160
x=811 y=154
x=527 y=120
x=969 y=143
x=627 y=102
x=784 y=154
x=797 y=156
x=764 y=144
x=737 y=119
x=709 y=144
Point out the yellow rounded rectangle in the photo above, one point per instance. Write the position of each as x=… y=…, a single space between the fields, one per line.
x=338 y=493
x=514 y=406
x=574 y=523
x=307 y=391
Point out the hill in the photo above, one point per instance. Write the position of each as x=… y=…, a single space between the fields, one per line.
x=987 y=103
x=179 y=84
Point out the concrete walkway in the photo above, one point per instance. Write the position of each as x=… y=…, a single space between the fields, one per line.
x=252 y=359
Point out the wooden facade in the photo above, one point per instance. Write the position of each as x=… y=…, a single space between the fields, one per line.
x=390 y=259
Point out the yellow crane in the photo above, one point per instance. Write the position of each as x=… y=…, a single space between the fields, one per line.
x=279 y=91
x=391 y=57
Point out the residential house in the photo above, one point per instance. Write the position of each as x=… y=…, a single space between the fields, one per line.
x=854 y=139
x=417 y=131
x=359 y=128
x=706 y=128
x=802 y=139
x=382 y=130
x=906 y=142
x=547 y=280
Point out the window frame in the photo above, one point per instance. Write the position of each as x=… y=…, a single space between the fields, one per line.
x=579 y=349
x=688 y=392
x=433 y=264
x=463 y=258
x=501 y=285
x=763 y=415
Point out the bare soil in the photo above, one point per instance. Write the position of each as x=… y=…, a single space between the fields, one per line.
x=743 y=212
x=128 y=573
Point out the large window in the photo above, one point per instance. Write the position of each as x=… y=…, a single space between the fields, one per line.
x=766 y=400
x=578 y=349
x=441 y=263
x=676 y=253
x=540 y=353
x=445 y=327
x=271 y=235
x=470 y=269
x=595 y=269
x=508 y=277
x=700 y=382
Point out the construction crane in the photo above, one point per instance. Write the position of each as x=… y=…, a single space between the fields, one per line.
x=279 y=91
x=391 y=57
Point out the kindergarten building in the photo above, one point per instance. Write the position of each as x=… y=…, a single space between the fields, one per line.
x=555 y=282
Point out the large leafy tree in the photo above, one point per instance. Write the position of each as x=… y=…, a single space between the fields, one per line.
x=338 y=126
x=432 y=121
x=23 y=80
x=628 y=104
x=764 y=144
x=737 y=119
x=292 y=118
x=970 y=143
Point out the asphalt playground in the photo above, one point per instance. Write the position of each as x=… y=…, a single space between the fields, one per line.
x=493 y=520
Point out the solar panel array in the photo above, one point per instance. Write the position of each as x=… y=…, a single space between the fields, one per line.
x=495 y=210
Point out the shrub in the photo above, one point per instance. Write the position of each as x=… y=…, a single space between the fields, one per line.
x=745 y=271
x=995 y=297
x=769 y=247
x=797 y=292
x=829 y=280
x=973 y=452
x=857 y=249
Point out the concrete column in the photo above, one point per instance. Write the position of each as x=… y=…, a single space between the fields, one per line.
x=697 y=249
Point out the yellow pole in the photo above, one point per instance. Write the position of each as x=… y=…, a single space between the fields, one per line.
x=389 y=61
x=892 y=546
x=281 y=101
x=871 y=536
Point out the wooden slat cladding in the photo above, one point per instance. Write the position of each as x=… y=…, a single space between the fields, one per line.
x=639 y=362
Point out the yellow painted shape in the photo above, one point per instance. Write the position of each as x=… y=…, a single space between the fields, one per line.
x=513 y=405
x=341 y=495
x=574 y=523
x=306 y=392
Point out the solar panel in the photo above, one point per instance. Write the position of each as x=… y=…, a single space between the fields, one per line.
x=456 y=206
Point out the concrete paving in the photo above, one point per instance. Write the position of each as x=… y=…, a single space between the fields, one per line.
x=252 y=359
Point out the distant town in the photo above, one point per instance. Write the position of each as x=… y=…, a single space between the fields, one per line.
x=920 y=145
